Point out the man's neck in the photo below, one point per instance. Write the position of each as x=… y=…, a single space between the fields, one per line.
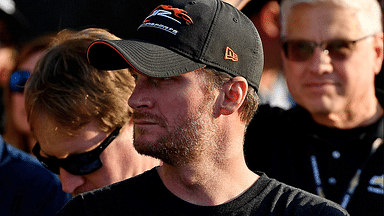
x=206 y=184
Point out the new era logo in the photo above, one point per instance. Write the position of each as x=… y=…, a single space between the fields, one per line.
x=230 y=55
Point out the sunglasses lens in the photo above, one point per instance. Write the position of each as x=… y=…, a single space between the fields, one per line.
x=83 y=165
x=48 y=163
x=302 y=50
x=339 y=49
x=51 y=166
x=18 y=80
x=298 y=50
x=80 y=164
x=77 y=166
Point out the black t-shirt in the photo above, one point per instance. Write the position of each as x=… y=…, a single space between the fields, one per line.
x=283 y=144
x=146 y=195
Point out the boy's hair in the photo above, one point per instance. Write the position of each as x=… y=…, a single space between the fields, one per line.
x=66 y=87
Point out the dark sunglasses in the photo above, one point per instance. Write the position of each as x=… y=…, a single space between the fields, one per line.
x=79 y=164
x=302 y=50
x=18 y=80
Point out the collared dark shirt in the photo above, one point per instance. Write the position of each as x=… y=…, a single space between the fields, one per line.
x=281 y=143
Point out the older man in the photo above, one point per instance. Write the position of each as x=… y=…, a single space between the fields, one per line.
x=331 y=144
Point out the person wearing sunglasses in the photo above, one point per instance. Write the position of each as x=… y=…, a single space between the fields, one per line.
x=16 y=128
x=331 y=144
x=80 y=116
x=12 y=31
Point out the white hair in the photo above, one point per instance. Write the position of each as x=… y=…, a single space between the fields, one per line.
x=368 y=12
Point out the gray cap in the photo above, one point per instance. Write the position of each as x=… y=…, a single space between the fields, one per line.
x=182 y=36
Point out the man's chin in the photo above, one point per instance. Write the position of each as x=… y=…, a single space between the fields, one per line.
x=143 y=148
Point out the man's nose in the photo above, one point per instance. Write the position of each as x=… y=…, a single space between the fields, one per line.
x=320 y=62
x=141 y=97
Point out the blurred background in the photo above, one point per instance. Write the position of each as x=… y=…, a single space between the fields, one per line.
x=121 y=17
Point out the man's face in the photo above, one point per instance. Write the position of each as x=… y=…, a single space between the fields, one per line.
x=55 y=142
x=173 y=117
x=323 y=84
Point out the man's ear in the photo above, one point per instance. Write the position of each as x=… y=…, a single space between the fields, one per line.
x=378 y=45
x=233 y=95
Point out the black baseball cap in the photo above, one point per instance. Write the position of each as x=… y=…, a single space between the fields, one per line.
x=181 y=36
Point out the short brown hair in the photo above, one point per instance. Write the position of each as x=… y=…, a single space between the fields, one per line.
x=216 y=79
x=66 y=87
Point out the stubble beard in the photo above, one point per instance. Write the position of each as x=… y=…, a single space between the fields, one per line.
x=192 y=138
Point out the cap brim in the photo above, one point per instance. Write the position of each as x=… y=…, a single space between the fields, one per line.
x=147 y=58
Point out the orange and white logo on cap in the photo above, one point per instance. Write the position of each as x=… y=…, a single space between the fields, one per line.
x=230 y=55
x=167 y=11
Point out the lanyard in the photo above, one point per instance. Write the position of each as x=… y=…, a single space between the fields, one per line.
x=353 y=183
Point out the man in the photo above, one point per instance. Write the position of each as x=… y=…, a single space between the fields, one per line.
x=197 y=66
x=330 y=145
x=80 y=117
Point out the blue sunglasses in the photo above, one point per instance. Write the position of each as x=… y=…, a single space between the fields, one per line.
x=18 y=80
